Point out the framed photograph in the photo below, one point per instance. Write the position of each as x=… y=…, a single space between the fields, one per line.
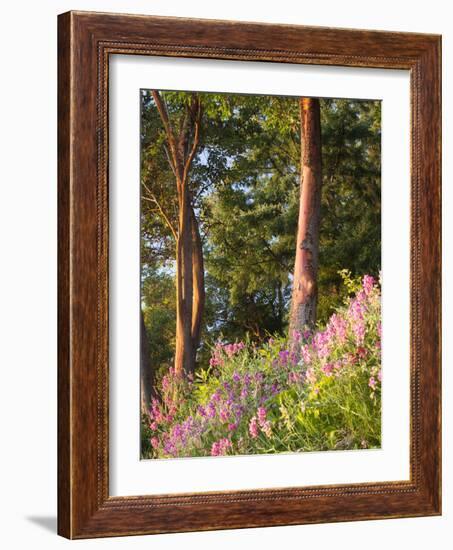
x=249 y=275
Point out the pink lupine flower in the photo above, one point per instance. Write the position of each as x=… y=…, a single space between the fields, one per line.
x=201 y=410
x=372 y=383
x=339 y=327
x=283 y=357
x=321 y=344
x=156 y=413
x=356 y=308
x=154 y=442
x=261 y=414
x=216 y=358
x=253 y=427
x=211 y=410
x=358 y=328
x=306 y=356
x=232 y=349
x=379 y=375
x=327 y=369
x=310 y=375
x=294 y=377
x=216 y=396
x=267 y=428
x=259 y=377
x=368 y=283
x=170 y=448
x=220 y=447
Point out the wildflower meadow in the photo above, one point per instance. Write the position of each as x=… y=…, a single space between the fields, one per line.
x=318 y=391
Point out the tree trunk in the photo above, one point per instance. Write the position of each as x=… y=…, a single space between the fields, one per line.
x=190 y=293
x=146 y=370
x=184 y=282
x=199 y=295
x=304 y=297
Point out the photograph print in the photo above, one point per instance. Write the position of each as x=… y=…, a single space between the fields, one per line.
x=260 y=274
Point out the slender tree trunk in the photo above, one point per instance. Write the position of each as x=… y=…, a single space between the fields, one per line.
x=304 y=297
x=179 y=339
x=146 y=370
x=190 y=289
x=190 y=297
x=184 y=350
x=199 y=295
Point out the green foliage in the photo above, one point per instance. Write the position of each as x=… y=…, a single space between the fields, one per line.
x=246 y=181
x=350 y=233
x=159 y=312
x=352 y=285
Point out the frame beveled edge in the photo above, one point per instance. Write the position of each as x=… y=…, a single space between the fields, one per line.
x=85 y=41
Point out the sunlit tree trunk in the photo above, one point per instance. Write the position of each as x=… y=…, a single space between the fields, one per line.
x=304 y=297
x=189 y=274
x=184 y=349
x=199 y=295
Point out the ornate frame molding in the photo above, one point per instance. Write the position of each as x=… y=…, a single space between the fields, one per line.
x=86 y=40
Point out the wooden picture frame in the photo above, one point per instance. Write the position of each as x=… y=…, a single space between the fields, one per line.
x=85 y=41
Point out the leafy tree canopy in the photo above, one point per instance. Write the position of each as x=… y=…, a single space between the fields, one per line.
x=245 y=182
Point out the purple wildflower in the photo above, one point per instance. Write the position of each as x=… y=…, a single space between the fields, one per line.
x=294 y=377
x=328 y=369
x=221 y=447
x=253 y=427
x=224 y=414
x=283 y=357
x=306 y=356
x=368 y=283
x=261 y=415
x=358 y=328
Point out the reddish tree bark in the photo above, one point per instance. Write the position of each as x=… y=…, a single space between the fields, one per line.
x=199 y=294
x=304 y=297
x=189 y=267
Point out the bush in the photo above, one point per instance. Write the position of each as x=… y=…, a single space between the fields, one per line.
x=321 y=392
